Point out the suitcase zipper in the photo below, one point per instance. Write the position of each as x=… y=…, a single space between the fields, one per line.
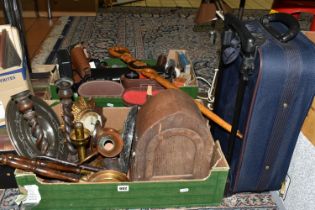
x=254 y=28
x=247 y=123
x=284 y=107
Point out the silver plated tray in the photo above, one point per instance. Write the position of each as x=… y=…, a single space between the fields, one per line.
x=20 y=133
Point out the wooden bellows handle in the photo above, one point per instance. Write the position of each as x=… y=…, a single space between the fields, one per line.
x=26 y=165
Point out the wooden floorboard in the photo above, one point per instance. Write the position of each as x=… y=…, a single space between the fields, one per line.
x=37 y=33
x=28 y=23
x=36 y=30
x=232 y=3
x=265 y=3
x=251 y=4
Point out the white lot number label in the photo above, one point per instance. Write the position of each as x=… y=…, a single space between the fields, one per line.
x=123 y=188
x=33 y=195
x=2 y=112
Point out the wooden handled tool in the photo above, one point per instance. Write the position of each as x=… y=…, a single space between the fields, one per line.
x=84 y=168
x=26 y=165
x=141 y=67
x=44 y=164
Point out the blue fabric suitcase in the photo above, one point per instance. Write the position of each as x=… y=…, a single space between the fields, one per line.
x=265 y=88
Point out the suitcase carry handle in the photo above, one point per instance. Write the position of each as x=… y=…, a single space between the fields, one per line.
x=287 y=20
x=247 y=39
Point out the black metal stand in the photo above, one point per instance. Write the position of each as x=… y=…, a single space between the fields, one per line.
x=236 y=117
x=241 y=9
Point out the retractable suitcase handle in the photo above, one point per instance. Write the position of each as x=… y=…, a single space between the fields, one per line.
x=248 y=51
x=247 y=40
x=287 y=20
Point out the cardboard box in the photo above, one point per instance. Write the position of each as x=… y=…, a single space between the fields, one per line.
x=191 y=90
x=14 y=79
x=141 y=194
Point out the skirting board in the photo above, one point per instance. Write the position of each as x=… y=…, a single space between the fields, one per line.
x=67 y=13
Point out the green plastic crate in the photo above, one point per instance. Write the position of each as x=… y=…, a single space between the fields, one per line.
x=153 y=194
x=140 y=194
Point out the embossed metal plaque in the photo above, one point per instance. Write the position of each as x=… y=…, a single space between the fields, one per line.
x=20 y=131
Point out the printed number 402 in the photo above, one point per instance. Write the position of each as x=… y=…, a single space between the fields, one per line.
x=123 y=188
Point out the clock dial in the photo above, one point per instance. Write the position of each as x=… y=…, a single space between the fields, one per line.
x=89 y=120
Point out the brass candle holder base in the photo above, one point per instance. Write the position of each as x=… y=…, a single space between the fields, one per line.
x=80 y=137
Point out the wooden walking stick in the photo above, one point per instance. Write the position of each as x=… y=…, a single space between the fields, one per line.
x=141 y=67
x=27 y=165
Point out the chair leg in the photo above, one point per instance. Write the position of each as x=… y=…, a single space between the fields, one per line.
x=49 y=9
x=241 y=9
x=36 y=8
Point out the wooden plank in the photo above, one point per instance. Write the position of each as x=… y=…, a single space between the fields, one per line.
x=170 y=3
x=37 y=30
x=266 y=4
x=67 y=13
x=183 y=3
x=153 y=3
x=139 y=4
x=28 y=7
x=250 y=4
x=308 y=128
x=195 y=3
x=28 y=23
x=59 y=8
x=2 y=21
x=69 y=5
x=232 y=3
x=69 y=8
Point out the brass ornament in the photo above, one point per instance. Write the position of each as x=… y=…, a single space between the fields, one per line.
x=84 y=110
x=109 y=142
x=80 y=137
x=108 y=176
x=82 y=106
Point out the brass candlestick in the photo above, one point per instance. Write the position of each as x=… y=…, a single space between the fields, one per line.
x=80 y=137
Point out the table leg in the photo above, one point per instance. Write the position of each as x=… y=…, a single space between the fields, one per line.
x=49 y=9
x=36 y=8
x=241 y=9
